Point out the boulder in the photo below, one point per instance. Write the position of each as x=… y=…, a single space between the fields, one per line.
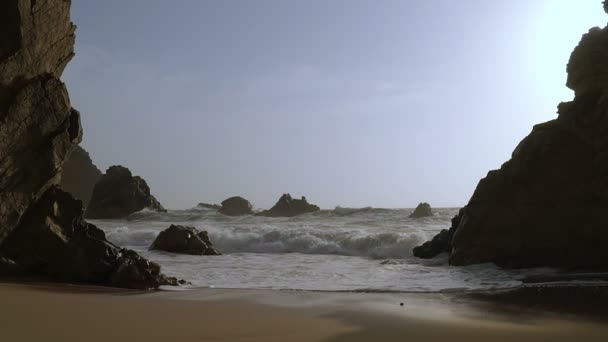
x=422 y=210
x=289 y=207
x=38 y=126
x=236 y=206
x=184 y=240
x=53 y=241
x=118 y=194
x=547 y=205
x=80 y=175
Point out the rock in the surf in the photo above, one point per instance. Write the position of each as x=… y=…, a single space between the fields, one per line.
x=289 y=207
x=441 y=243
x=184 y=240
x=236 y=206
x=118 y=194
x=422 y=210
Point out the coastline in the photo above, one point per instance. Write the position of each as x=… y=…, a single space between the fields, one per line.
x=57 y=312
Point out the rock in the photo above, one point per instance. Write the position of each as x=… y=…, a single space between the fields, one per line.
x=184 y=240
x=236 y=206
x=118 y=194
x=80 y=175
x=54 y=241
x=422 y=210
x=209 y=206
x=289 y=207
x=38 y=127
x=441 y=243
x=547 y=205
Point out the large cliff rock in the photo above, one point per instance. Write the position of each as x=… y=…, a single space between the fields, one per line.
x=118 y=194
x=547 y=205
x=289 y=207
x=54 y=241
x=80 y=175
x=38 y=126
x=236 y=206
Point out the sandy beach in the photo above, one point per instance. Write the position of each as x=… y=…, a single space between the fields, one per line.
x=43 y=312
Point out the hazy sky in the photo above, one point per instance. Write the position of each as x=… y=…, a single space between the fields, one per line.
x=351 y=103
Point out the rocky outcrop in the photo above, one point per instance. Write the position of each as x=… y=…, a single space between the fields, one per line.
x=54 y=241
x=38 y=127
x=441 y=243
x=289 y=207
x=547 y=205
x=80 y=175
x=118 y=194
x=184 y=240
x=236 y=206
x=422 y=210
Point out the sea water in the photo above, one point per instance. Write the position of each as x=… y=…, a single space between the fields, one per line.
x=344 y=249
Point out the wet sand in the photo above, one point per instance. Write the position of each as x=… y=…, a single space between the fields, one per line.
x=39 y=312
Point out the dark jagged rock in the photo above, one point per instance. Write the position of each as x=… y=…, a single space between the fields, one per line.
x=55 y=242
x=236 y=206
x=547 y=205
x=185 y=240
x=289 y=207
x=441 y=243
x=209 y=206
x=422 y=210
x=80 y=175
x=38 y=127
x=118 y=194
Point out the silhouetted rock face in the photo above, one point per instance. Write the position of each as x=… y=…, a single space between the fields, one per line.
x=441 y=243
x=185 y=240
x=38 y=127
x=118 y=194
x=289 y=207
x=80 y=175
x=54 y=241
x=236 y=206
x=422 y=210
x=547 y=205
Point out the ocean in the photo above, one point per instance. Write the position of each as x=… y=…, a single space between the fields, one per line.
x=344 y=249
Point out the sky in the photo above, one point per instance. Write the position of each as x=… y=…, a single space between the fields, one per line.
x=352 y=103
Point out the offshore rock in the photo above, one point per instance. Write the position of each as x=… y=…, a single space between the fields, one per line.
x=80 y=175
x=289 y=207
x=118 y=194
x=422 y=210
x=184 y=240
x=236 y=206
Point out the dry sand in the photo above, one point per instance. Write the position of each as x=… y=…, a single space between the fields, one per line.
x=38 y=312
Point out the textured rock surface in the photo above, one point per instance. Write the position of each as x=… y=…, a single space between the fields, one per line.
x=422 y=210
x=185 y=240
x=54 y=241
x=289 y=207
x=236 y=206
x=441 y=243
x=118 y=194
x=38 y=127
x=547 y=205
x=80 y=175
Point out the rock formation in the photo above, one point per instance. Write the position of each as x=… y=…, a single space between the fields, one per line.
x=80 y=175
x=422 y=210
x=236 y=206
x=184 y=240
x=547 y=205
x=289 y=207
x=55 y=242
x=42 y=232
x=118 y=194
x=441 y=243
x=38 y=127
